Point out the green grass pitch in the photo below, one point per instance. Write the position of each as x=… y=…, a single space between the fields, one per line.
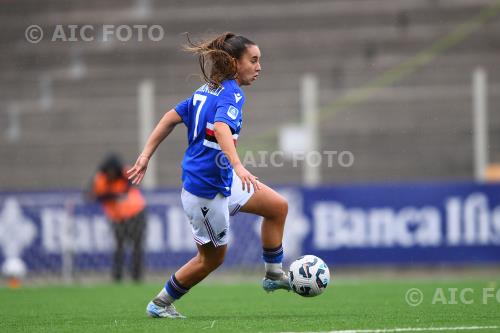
x=214 y=307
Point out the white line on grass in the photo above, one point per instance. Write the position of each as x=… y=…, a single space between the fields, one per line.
x=412 y=329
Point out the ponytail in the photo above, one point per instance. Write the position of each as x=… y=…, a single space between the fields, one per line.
x=220 y=54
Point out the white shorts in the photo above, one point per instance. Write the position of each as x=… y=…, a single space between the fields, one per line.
x=238 y=197
x=209 y=218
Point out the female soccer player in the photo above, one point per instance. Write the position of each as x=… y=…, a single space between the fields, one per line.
x=215 y=182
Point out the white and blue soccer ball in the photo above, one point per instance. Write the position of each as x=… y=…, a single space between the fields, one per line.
x=309 y=276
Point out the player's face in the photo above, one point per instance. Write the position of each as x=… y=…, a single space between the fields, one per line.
x=248 y=66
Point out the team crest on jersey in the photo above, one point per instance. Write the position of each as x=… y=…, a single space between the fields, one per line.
x=232 y=112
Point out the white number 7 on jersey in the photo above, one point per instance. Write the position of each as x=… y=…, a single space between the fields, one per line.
x=201 y=99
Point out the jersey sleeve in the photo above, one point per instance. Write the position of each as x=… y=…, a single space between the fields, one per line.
x=182 y=109
x=229 y=106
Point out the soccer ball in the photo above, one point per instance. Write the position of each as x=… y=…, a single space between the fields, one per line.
x=309 y=276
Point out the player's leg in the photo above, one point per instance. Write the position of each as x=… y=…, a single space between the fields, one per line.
x=206 y=261
x=273 y=208
x=209 y=219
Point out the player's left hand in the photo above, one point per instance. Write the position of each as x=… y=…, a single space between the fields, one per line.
x=247 y=178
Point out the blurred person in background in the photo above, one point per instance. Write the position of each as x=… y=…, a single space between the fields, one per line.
x=124 y=206
x=216 y=185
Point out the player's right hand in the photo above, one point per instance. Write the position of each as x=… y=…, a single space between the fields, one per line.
x=137 y=172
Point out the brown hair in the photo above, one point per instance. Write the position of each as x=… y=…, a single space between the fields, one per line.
x=220 y=54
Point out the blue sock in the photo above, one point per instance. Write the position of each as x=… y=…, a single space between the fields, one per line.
x=174 y=288
x=273 y=256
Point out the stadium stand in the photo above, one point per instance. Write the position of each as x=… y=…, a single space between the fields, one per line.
x=416 y=128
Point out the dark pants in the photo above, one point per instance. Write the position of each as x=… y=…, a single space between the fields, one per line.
x=129 y=230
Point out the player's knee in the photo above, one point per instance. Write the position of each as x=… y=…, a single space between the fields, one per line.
x=278 y=209
x=281 y=207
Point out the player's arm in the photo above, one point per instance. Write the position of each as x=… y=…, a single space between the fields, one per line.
x=225 y=139
x=161 y=131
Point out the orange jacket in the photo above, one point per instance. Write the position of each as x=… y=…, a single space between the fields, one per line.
x=120 y=200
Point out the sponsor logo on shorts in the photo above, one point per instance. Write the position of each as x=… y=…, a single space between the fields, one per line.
x=204 y=211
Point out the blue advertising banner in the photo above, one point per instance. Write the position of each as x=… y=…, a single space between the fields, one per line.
x=358 y=224
x=405 y=224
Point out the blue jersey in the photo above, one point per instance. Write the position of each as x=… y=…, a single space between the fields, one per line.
x=205 y=169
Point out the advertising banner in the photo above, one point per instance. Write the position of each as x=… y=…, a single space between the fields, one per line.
x=404 y=224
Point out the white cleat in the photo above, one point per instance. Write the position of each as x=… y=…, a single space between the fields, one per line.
x=156 y=311
x=275 y=281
